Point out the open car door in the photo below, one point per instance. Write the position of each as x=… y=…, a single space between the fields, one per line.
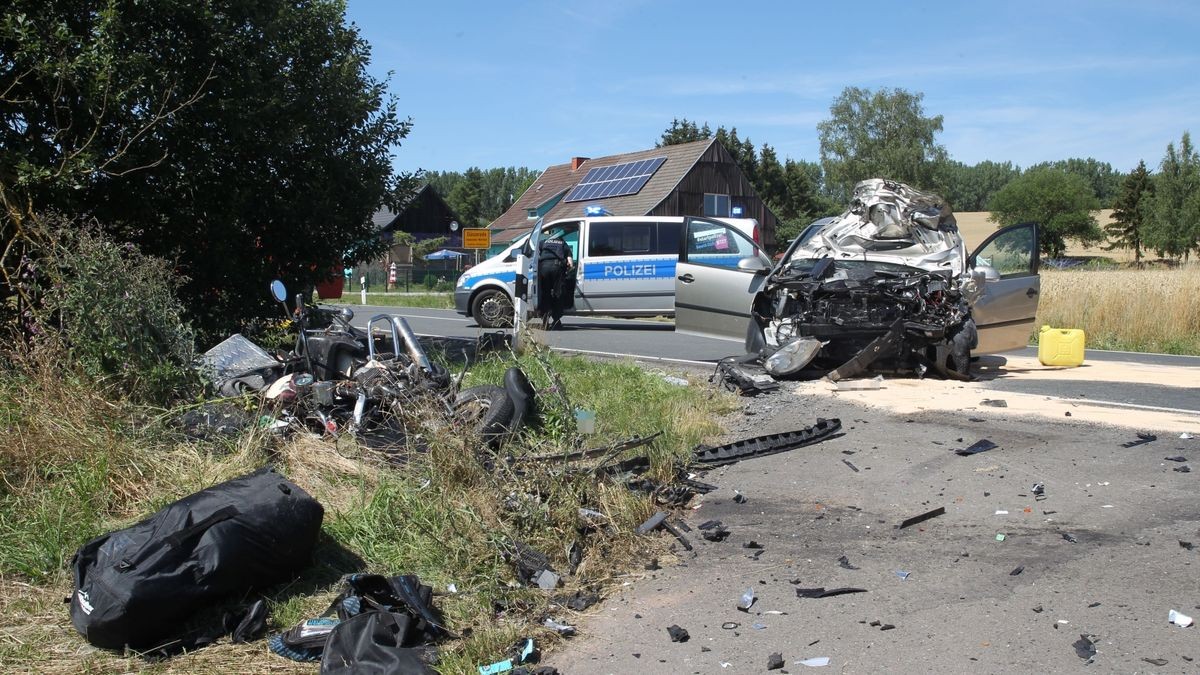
x=719 y=271
x=1006 y=312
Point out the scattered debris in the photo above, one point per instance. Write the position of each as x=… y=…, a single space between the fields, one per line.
x=1181 y=620
x=1016 y=571
x=844 y=563
x=1085 y=647
x=717 y=533
x=747 y=600
x=761 y=446
x=1093 y=605
x=939 y=511
x=1156 y=662
x=678 y=634
x=677 y=381
x=1142 y=439
x=823 y=593
x=861 y=385
x=1186 y=436
x=759 y=626
x=775 y=661
x=902 y=574
x=1176 y=458
x=737 y=374
x=548 y=580
x=851 y=465
x=752 y=544
x=1186 y=544
x=1038 y=609
x=814 y=662
x=687 y=545
x=653 y=523
x=730 y=625
x=581 y=600
x=1070 y=537
x=1183 y=469
x=982 y=445
x=1039 y=491
x=560 y=628
x=994 y=403
x=1001 y=513
x=738 y=498
x=887 y=626
x=1000 y=536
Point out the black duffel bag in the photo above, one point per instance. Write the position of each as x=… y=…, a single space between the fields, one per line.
x=138 y=586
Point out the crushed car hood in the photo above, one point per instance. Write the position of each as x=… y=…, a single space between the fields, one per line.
x=890 y=222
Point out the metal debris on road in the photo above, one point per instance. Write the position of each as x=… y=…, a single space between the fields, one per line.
x=823 y=593
x=939 y=511
x=849 y=464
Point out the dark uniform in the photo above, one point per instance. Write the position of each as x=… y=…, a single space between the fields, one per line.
x=554 y=291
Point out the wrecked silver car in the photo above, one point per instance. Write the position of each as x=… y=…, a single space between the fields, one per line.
x=887 y=284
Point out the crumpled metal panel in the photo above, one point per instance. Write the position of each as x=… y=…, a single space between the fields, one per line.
x=235 y=356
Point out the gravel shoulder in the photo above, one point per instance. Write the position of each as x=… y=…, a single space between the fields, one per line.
x=961 y=607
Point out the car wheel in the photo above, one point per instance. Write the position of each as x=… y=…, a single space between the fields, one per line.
x=488 y=408
x=492 y=309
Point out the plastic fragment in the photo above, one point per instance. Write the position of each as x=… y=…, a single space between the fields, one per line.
x=844 y=563
x=823 y=593
x=1000 y=536
x=902 y=574
x=738 y=497
x=496 y=668
x=1179 y=619
x=1069 y=537
x=1085 y=647
x=1183 y=469
x=982 y=445
x=747 y=600
x=1176 y=458
x=941 y=510
x=1017 y=570
x=814 y=662
x=1155 y=662
x=1186 y=436
x=775 y=661
x=547 y=580
x=653 y=523
x=861 y=385
x=560 y=628
x=678 y=634
x=759 y=626
x=730 y=625
x=994 y=402
x=1186 y=544
x=1002 y=513
x=1142 y=439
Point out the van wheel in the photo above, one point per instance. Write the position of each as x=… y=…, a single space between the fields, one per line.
x=492 y=309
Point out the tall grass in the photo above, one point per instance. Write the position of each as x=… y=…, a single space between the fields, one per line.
x=1148 y=310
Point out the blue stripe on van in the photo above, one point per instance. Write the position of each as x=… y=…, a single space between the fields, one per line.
x=503 y=277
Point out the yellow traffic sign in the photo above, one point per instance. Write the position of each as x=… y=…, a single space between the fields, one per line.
x=477 y=237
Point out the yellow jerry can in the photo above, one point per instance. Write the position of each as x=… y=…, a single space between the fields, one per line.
x=1062 y=347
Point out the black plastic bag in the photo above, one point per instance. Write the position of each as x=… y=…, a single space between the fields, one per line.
x=137 y=587
x=374 y=642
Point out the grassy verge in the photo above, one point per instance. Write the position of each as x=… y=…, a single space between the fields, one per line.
x=76 y=465
x=431 y=300
x=1152 y=310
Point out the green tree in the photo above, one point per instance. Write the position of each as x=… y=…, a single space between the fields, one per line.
x=772 y=183
x=683 y=131
x=1129 y=212
x=968 y=188
x=1173 y=226
x=498 y=187
x=1061 y=204
x=879 y=134
x=1105 y=181
x=242 y=140
x=466 y=198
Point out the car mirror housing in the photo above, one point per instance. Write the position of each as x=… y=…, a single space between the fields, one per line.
x=752 y=264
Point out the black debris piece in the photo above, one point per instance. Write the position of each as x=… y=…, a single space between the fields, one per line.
x=976 y=419
x=653 y=565
x=884 y=344
x=1186 y=544
x=761 y=446
x=1156 y=662
x=1067 y=414
x=1183 y=469
x=775 y=661
x=709 y=524
x=739 y=498
x=1038 y=609
x=1094 y=604
x=844 y=563
x=1039 y=491
x=1018 y=570
x=246 y=624
x=529 y=562
x=1176 y=458
x=581 y=600
x=939 y=511
x=994 y=403
x=683 y=541
x=1070 y=537
x=1142 y=439
x=739 y=375
x=876 y=623
x=730 y=625
x=752 y=544
x=826 y=593
x=653 y=523
x=979 y=446
x=702 y=650
x=718 y=533
x=887 y=626
x=1085 y=646
x=678 y=634
x=849 y=464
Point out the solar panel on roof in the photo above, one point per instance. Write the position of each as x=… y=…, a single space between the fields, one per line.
x=616 y=180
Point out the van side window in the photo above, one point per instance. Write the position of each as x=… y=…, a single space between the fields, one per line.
x=606 y=240
x=668 y=239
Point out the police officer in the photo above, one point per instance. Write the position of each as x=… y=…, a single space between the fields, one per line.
x=554 y=268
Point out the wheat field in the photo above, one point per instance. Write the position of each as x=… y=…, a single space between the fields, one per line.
x=1152 y=310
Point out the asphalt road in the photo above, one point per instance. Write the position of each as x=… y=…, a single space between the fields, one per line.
x=656 y=341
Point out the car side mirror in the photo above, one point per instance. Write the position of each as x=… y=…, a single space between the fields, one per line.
x=752 y=264
x=983 y=272
x=511 y=257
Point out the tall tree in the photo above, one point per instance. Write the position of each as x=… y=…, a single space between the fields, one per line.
x=244 y=140
x=1173 y=226
x=683 y=131
x=1061 y=203
x=968 y=188
x=882 y=133
x=466 y=198
x=1129 y=212
x=772 y=184
x=1105 y=181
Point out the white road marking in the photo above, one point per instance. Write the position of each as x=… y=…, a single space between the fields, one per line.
x=1119 y=404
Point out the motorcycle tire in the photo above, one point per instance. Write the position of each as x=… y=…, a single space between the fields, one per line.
x=489 y=409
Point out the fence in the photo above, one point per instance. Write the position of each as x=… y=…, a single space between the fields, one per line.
x=408 y=279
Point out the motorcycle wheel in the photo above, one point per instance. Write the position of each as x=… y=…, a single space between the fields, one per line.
x=488 y=408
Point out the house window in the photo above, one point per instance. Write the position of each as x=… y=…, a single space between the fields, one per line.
x=716 y=205
x=531 y=213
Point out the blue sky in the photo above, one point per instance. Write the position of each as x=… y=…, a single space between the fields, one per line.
x=535 y=83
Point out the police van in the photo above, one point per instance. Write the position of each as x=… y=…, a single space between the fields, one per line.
x=624 y=266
